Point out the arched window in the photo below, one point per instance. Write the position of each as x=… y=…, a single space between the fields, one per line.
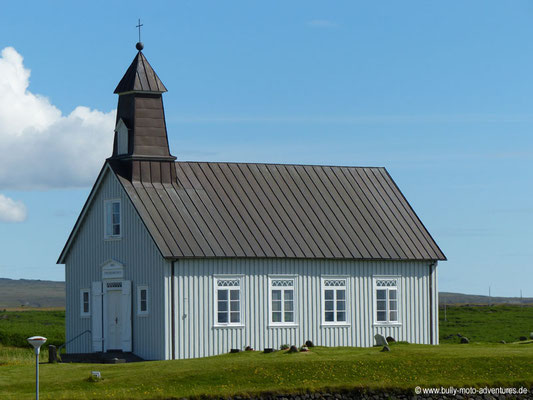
x=122 y=137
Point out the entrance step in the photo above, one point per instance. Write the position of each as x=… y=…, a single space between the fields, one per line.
x=117 y=357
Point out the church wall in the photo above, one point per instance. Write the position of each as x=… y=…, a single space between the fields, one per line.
x=197 y=336
x=143 y=265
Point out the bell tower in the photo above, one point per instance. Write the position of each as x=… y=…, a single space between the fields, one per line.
x=141 y=147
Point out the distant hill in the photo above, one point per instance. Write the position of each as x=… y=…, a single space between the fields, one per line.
x=459 y=298
x=44 y=294
x=31 y=293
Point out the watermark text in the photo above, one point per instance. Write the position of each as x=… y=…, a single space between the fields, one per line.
x=454 y=391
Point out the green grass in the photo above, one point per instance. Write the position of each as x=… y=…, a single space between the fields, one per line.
x=485 y=324
x=20 y=356
x=16 y=326
x=484 y=362
x=478 y=364
x=249 y=373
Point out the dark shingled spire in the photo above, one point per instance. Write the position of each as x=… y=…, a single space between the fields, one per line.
x=141 y=141
x=140 y=77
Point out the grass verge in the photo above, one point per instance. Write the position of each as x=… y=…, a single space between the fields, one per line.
x=485 y=323
x=249 y=373
x=17 y=326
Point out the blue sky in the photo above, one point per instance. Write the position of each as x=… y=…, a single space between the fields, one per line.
x=440 y=93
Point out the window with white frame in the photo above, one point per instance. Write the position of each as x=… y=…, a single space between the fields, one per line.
x=85 y=303
x=386 y=300
x=282 y=301
x=112 y=219
x=143 y=302
x=228 y=301
x=334 y=301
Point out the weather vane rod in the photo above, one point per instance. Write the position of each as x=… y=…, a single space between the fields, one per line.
x=139 y=26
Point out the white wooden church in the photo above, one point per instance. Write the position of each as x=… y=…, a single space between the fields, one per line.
x=172 y=259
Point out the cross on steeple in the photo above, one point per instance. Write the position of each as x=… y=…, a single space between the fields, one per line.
x=139 y=26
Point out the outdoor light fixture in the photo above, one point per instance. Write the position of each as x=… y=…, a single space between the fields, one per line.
x=36 y=342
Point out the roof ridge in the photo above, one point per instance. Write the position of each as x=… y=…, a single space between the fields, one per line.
x=282 y=164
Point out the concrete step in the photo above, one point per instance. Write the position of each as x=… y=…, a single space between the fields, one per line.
x=114 y=357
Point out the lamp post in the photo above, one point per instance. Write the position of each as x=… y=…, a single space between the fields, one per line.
x=37 y=342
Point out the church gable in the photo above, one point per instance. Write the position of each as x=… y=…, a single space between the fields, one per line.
x=100 y=228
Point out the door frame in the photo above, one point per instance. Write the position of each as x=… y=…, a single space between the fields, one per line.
x=110 y=286
x=125 y=306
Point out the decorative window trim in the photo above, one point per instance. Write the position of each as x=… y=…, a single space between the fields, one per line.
x=112 y=269
x=83 y=313
x=346 y=285
x=238 y=282
x=271 y=280
x=121 y=225
x=113 y=285
x=386 y=282
x=140 y=311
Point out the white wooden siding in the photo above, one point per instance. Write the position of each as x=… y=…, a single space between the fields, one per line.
x=196 y=335
x=143 y=265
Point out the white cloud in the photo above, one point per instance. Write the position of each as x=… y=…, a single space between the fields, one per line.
x=11 y=210
x=40 y=148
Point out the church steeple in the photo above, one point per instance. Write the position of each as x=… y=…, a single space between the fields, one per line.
x=140 y=77
x=140 y=132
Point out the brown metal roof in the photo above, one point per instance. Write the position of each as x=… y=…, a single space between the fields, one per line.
x=279 y=211
x=140 y=77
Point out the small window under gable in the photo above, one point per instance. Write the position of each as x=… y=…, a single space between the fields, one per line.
x=112 y=219
x=122 y=137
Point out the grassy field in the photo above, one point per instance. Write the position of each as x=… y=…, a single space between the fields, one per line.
x=248 y=373
x=485 y=324
x=483 y=362
x=16 y=326
x=31 y=293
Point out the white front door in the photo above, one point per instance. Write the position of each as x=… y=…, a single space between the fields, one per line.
x=117 y=315
x=114 y=320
